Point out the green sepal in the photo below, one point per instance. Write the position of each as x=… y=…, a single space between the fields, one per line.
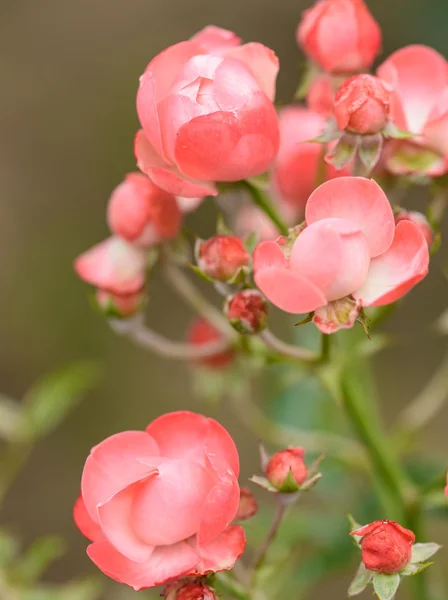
x=386 y=586
x=421 y=552
x=361 y=580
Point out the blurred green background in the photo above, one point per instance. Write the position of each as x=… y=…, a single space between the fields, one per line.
x=67 y=118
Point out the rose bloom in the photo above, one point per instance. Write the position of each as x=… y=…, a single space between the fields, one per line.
x=386 y=546
x=205 y=107
x=341 y=36
x=350 y=247
x=418 y=76
x=362 y=105
x=114 y=266
x=296 y=167
x=157 y=503
x=142 y=213
x=201 y=332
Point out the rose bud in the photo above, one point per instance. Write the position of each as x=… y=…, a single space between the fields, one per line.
x=285 y=465
x=142 y=213
x=202 y=332
x=298 y=162
x=157 y=504
x=418 y=219
x=362 y=105
x=350 y=247
x=113 y=265
x=189 y=590
x=222 y=256
x=341 y=36
x=386 y=546
x=320 y=95
x=247 y=311
x=113 y=305
x=248 y=506
x=418 y=76
x=207 y=114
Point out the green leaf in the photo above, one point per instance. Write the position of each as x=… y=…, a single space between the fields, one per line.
x=11 y=419
x=251 y=241
x=413 y=569
x=9 y=548
x=51 y=399
x=362 y=579
x=421 y=552
x=37 y=559
x=386 y=586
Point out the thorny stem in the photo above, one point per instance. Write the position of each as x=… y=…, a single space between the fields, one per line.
x=260 y=556
x=263 y=202
x=135 y=330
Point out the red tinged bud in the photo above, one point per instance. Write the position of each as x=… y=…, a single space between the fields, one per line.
x=222 y=256
x=247 y=311
x=341 y=36
x=386 y=546
x=362 y=105
x=189 y=590
x=418 y=219
x=287 y=464
x=248 y=506
x=203 y=332
x=121 y=306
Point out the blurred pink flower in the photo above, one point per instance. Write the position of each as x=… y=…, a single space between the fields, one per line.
x=362 y=105
x=206 y=111
x=297 y=165
x=113 y=265
x=320 y=95
x=222 y=256
x=202 y=332
x=142 y=213
x=350 y=247
x=418 y=219
x=157 y=504
x=341 y=36
x=115 y=305
x=418 y=76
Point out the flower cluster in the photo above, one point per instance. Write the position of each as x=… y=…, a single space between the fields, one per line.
x=158 y=505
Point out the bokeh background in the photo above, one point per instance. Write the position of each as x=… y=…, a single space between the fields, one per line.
x=67 y=118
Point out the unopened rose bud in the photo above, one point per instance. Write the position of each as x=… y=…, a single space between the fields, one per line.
x=189 y=590
x=362 y=105
x=336 y=315
x=286 y=468
x=114 y=305
x=386 y=546
x=222 y=256
x=418 y=219
x=247 y=311
x=142 y=213
x=202 y=332
x=248 y=506
x=341 y=36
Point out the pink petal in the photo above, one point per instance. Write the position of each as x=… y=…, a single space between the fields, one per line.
x=221 y=504
x=113 y=265
x=223 y=552
x=148 y=115
x=188 y=205
x=334 y=255
x=170 y=507
x=146 y=155
x=269 y=254
x=165 y=564
x=418 y=75
x=177 y=184
x=216 y=39
x=359 y=200
x=263 y=63
x=85 y=524
x=435 y=133
x=234 y=84
x=114 y=464
x=184 y=434
x=115 y=520
x=395 y=272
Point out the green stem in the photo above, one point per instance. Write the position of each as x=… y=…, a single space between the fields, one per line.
x=260 y=556
x=264 y=204
x=232 y=587
x=325 y=348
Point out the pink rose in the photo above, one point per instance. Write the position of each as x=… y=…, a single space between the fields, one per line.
x=157 y=504
x=418 y=76
x=341 y=36
x=206 y=111
x=362 y=105
x=113 y=265
x=296 y=167
x=142 y=213
x=350 y=247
